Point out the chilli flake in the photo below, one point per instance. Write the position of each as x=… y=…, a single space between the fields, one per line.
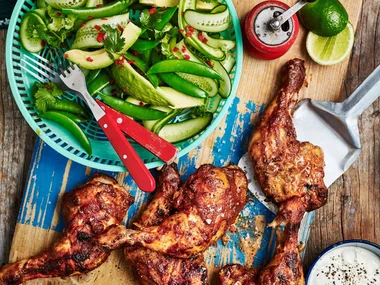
x=152 y=11
x=100 y=38
x=89 y=59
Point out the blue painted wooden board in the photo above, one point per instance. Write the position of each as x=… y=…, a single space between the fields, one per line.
x=40 y=221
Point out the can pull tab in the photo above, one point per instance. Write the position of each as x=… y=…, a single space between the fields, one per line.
x=276 y=23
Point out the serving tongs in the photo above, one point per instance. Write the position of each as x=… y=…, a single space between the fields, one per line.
x=332 y=126
x=113 y=123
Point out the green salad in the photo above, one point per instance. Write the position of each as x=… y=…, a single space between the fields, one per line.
x=169 y=60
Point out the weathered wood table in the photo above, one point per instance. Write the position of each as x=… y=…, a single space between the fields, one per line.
x=353 y=209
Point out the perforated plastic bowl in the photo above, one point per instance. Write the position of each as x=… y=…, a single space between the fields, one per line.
x=104 y=157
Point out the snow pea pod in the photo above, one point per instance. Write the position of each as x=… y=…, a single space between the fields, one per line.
x=144 y=45
x=68 y=106
x=92 y=75
x=108 y=10
x=143 y=66
x=77 y=119
x=70 y=126
x=99 y=83
x=138 y=62
x=159 y=19
x=180 y=84
x=185 y=66
x=132 y=110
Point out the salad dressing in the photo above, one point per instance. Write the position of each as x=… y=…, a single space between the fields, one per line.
x=346 y=265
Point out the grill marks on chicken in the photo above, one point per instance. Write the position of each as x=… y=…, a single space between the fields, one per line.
x=208 y=203
x=236 y=274
x=290 y=174
x=285 y=268
x=284 y=167
x=154 y=268
x=88 y=210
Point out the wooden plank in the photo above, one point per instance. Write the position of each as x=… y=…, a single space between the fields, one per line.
x=259 y=77
x=353 y=208
x=16 y=147
x=336 y=220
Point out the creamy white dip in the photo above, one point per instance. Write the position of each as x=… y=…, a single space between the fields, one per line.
x=346 y=265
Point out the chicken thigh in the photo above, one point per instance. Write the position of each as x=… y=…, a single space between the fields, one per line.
x=88 y=210
x=154 y=268
x=208 y=203
x=285 y=168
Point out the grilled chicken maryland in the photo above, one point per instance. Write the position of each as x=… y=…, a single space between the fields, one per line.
x=88 y=210
x=154 y=268
x=285 y=268
x=289 y=172
x=208 y=203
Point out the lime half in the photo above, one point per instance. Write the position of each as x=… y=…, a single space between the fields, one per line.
x=330 y=50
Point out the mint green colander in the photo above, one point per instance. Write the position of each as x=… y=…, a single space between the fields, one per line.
x=104 y=157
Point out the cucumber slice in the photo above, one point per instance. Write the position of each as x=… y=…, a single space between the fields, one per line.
x=181 y=100
x=184 y=130
x=193 y=38
x=41 y=4
x=219 y=43
x=163 y=122
x=229 y=62
x=160 y=3
x=94 y=3
x=41 y=12
x=225 y=84
x=122 y=20
x=212 y=104
x=59 y=4
x=206 y=6
x=217 y=20
x=207 y=84
x=86 y=36
x=149 y=124
x=135 y=101
x=29 y=35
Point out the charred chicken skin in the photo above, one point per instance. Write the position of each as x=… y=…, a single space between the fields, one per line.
x=89 y=210
x=289 y=172
x=207 y=204
x=236 y=274
x=154 y=268
x=285 y=268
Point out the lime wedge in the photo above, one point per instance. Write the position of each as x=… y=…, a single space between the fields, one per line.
x=330 y=50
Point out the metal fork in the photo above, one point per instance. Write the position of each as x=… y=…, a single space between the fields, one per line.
x=73 y=79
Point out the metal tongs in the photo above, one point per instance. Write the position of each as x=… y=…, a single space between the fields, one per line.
x=113 y=123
